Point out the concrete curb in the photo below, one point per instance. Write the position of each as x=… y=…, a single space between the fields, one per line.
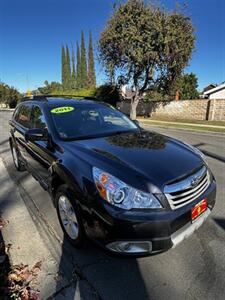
x=7 y=109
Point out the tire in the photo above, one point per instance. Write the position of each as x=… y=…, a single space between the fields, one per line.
x=69 y=216
x=16 y=159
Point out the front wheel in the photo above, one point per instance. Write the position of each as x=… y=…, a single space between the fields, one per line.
x=69 y=216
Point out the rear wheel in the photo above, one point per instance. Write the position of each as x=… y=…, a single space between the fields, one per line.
x=69 y=216
x=15 y=154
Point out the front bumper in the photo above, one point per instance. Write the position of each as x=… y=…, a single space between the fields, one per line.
x=146 y=232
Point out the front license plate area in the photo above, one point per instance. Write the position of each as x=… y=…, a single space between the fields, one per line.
x=198 y=209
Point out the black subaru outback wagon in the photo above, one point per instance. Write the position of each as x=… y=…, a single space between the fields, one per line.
x=132 y=191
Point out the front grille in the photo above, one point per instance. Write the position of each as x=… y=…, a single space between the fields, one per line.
x=188 y=189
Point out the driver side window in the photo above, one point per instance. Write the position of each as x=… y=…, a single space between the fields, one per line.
x=38 y=119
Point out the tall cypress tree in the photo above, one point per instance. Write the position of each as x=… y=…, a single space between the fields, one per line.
x=91 y=66
x=78 y=67
x=83 y=62
x=68 y=69
x=63 y=67
x=73 y=76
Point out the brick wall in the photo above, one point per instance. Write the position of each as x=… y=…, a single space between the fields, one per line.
x=183 y=109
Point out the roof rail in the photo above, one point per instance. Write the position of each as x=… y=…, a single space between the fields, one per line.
x=44 y=97
x=29 y=98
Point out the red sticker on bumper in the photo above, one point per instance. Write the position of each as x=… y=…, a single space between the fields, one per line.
x=198 y=209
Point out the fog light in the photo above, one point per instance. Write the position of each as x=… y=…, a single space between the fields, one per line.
x=130 y=247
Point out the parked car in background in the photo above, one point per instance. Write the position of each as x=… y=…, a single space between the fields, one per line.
x=132 y=191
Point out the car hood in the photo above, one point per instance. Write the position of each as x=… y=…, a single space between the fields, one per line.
x=158 y=158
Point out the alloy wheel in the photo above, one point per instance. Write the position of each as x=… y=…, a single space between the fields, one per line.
x=68 y=217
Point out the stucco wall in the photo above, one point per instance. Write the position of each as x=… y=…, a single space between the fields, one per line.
x=188 y=109
x=217 y=110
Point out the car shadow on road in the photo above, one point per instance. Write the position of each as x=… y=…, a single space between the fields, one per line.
x=220 y=222
x=4 y=269
x=4 y=142
x=96 y=275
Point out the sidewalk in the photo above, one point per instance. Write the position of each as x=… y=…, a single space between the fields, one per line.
x=27 y=246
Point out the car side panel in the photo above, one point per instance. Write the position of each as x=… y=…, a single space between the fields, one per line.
x=41 y=159
x=18 y=138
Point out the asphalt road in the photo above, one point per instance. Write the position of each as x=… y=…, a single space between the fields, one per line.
x=193 y=270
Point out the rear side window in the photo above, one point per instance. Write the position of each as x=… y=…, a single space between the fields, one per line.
x=24 y=116
x=38 y=118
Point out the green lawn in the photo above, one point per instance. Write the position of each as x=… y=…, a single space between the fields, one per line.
x=180 y=126
x=216 y=123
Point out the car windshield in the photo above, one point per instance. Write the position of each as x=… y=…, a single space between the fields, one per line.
x=89 y=121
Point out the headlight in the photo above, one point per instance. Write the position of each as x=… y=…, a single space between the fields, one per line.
x=118 y=193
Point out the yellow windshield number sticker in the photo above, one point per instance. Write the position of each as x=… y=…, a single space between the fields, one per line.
x=62 y=109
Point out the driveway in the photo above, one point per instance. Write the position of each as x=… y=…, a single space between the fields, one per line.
x=193 y=270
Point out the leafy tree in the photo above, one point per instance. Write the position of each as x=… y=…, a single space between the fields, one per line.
x=188 y=87
x=108 y=93
x=63 y=66
x=66 y=68
x=83 y=62
x=110 y=72
x=91 y=66
x=155 y=95
x=78 y=67
x=73 y=76
x=68 y=79
x=48 y=88
x=9 y=96
x=148 y=46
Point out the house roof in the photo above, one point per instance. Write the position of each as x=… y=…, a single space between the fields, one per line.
x=213 y=90
x=209 y=87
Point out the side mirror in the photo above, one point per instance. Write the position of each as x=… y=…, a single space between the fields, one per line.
x=36 y=135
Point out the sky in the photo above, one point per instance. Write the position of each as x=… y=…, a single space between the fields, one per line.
x=33 y=31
